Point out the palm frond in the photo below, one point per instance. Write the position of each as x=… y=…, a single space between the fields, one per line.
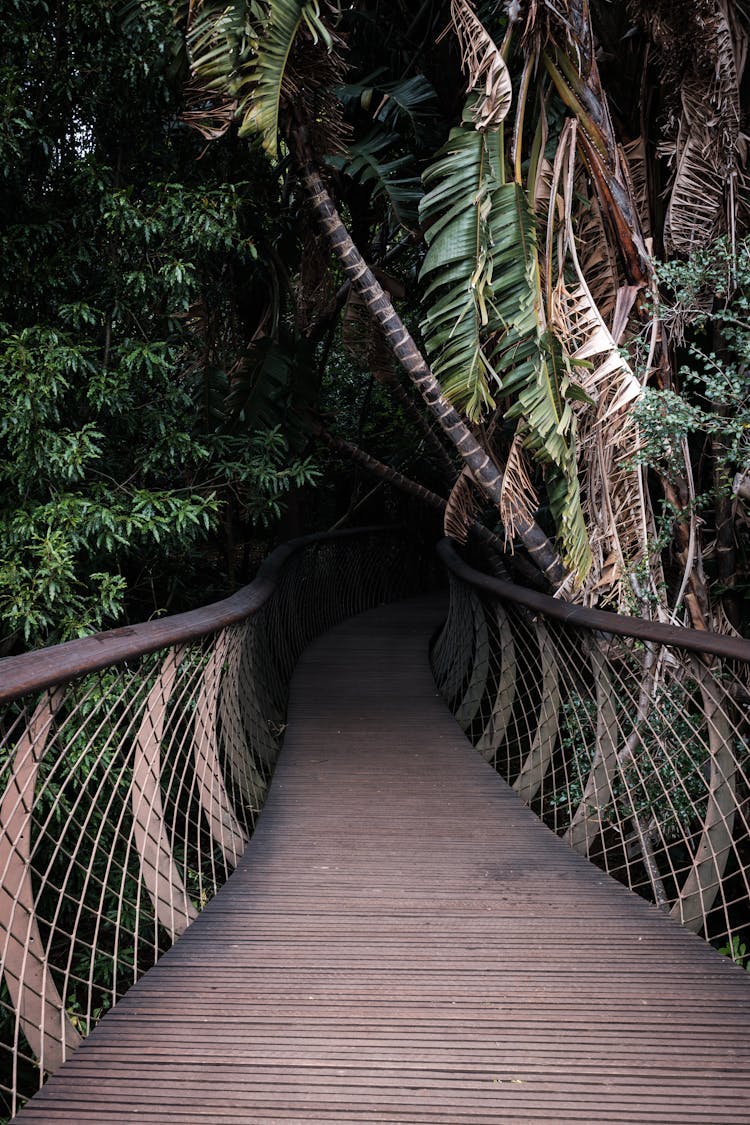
x=461 y=508
x=486 y=327
x=260 y=86
x=483 y=63
x=367 y=161
x=608 y=438
x=636 y=163
x=696 y=202
x=413 y=101
x=696 y=207
x=458 y=268
x=532 y=366
x=613 y=500
x=701 y=50
x=519 y=501
x=239 y=53
x=598 y=259
x=607 y=377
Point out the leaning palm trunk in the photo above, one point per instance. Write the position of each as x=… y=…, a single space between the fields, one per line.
x=483 y=469
x=411 y=487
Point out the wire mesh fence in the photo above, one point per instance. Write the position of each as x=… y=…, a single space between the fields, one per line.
x=630 y=740
x=132 y=769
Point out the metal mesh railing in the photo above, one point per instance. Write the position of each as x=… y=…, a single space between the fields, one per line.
x=629 y=739
x=132 y=768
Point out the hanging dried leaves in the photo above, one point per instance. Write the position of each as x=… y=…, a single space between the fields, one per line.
x=636 y=166
x=701 y=49
x=211 y=116
x=613 y=497
x=484 y=66
x=461 y=509
x=518 y=502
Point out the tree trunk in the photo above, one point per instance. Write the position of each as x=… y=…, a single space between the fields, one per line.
x=412 y=488
x=480 y=464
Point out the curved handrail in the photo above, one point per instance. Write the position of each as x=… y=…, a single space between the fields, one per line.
x=618 y=733
x=133 y=765
x=693 y=640
x=56 y=664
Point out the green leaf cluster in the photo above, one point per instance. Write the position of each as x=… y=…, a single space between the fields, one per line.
x=484 y=329
x=129 y=279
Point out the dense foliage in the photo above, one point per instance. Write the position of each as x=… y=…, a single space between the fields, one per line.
x=545 y=208
x=555 y=208
x=124 y=279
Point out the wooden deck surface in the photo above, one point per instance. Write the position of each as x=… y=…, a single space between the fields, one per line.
x=404 y=942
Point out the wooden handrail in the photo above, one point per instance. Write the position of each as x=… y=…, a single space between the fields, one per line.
x=47 y=667
x=693 y=640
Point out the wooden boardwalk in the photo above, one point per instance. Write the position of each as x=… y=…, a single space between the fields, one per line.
x=404 y=942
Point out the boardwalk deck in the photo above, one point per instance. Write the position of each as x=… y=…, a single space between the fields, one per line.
x=405 y=943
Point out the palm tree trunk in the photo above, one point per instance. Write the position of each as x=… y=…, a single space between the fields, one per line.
x=412 y=488
x=380 y=470
x=483 y=469
x=420 y=421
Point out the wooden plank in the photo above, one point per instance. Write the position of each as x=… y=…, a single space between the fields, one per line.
x=404 y=942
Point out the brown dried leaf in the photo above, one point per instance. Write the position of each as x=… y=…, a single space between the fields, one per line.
x=635 y=164
x=518 y=501
x=461 y=508
x=484 y=66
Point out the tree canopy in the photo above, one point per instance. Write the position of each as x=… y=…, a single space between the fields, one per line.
x=493 y=255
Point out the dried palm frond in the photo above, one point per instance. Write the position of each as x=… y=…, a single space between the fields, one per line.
x=636 y=164
x=461 y=509
x=484 y=66
x=626 y=296
x=721 y=624
x=612 y=493
x=211 y=116
x=582 y=93
x=696 y=209
x=608 y=442
x=519 y=502
x=608 y=379
x=701 y=49
x=315 y=70
x=598 y=259
x=542 y=185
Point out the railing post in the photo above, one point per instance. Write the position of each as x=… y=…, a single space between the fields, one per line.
x=172 y=906
x=214 y=799
x=37 y=1002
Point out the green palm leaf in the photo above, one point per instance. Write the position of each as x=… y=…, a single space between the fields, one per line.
x=533 y=366
x=458 y=267
x=262 y=85
x=240 y=50
x=367 y=161
x=485 y=326
x=220 y=36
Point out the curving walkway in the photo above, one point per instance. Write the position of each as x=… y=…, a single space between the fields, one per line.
x=404 y=942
